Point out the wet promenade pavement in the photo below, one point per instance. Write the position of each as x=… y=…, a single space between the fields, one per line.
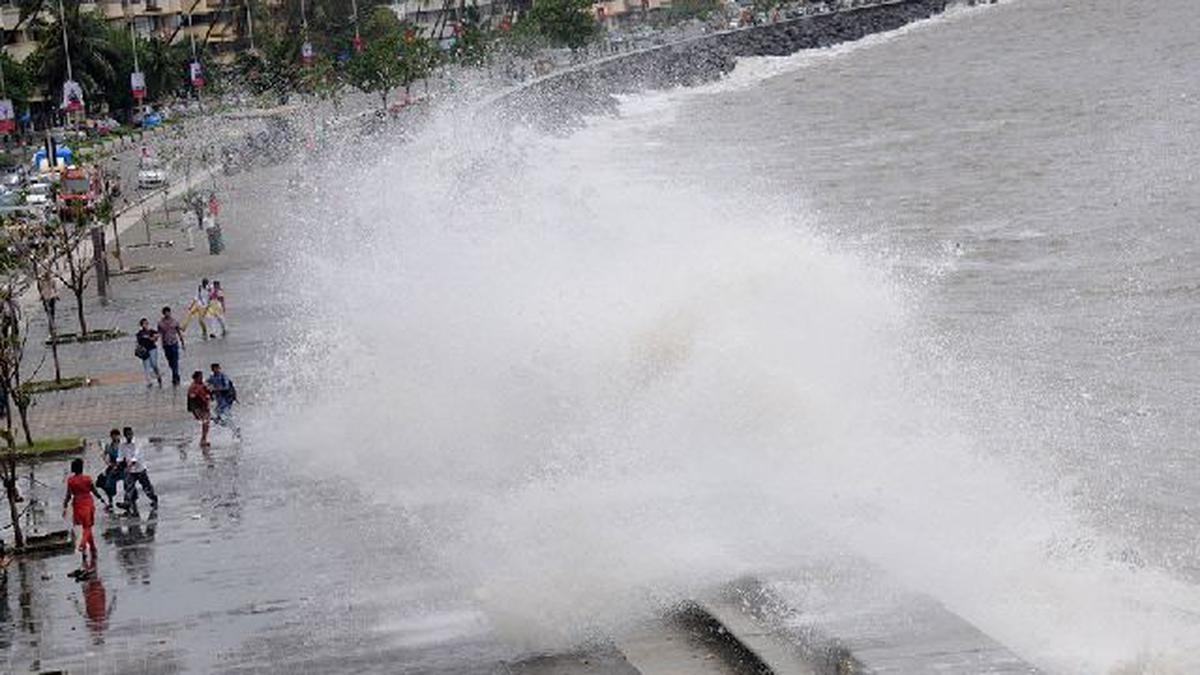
x=246 y=566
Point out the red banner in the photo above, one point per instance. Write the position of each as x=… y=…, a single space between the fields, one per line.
x=72 y=100
x=8 y=122
x=137 y=84
x=197 y=75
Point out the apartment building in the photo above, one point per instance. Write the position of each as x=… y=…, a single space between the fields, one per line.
x=217 y=23
x=613 y=13
x=436 y=18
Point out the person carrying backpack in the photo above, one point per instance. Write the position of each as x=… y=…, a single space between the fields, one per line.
x=225 y=395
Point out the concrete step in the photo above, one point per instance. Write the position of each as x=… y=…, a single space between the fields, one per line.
x=689 y=643
x=780 y=655
x=853 y=619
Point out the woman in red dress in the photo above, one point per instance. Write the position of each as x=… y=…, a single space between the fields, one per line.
x=79 y=495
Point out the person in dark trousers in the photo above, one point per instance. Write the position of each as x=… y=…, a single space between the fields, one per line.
x=114 y=471
x=135 y=473
x=171 y=335
x=83 y=510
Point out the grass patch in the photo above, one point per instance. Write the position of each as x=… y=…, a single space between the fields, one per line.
x=91 y=336
x=44 y=386
x=131 y=270
x=48 y=447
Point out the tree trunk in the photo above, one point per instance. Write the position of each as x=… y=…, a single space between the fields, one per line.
x=10 y=491
x=8 y=475
x=53 y=342
x=23 y=411
x=117 y=239
x=78 y=293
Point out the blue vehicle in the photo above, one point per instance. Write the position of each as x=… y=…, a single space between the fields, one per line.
x=64 y=157
x=152 y=120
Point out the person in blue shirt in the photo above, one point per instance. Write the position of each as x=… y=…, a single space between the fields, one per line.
x=224 y=395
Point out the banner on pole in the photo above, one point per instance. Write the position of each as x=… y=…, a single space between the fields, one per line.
x=8 y=117
x=306 y=53
x=359 y=45
x=72 y=99
x=137 y=83
x=197 y=75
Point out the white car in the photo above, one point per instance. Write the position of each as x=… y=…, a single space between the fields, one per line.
x=38 y=194
x=151 y=175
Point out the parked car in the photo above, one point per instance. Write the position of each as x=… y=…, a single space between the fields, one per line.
x=151 y=174
x=10 y=197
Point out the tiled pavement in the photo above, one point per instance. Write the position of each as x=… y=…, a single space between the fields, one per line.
x=118 y=395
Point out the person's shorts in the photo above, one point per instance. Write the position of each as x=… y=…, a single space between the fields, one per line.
x=202 y=415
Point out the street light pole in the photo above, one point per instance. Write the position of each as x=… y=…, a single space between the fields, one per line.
x=195 y=59
x=250 y=24
x=62 y=20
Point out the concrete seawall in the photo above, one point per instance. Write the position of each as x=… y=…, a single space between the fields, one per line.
x=562 y=98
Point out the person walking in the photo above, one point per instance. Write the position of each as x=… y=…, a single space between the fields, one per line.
x=135 y=473
x=147 y=351
x=198 y=403
x=198 y=309
x=114 y=471
x=225 y=395
x=83 y=510
x=171 y=334
x=216 y=305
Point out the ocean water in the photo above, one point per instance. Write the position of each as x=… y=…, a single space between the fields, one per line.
x=928 y=300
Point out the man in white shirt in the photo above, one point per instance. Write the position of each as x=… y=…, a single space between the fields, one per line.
x=135 y=472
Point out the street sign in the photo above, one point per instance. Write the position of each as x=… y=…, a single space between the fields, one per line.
x=137 y=83
x=72 y=98
x=197 y=75
x=8 y=121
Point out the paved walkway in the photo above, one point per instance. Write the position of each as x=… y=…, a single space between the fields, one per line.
x=119 y=395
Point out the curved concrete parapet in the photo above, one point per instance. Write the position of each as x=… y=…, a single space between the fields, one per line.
x=562 y=98
x=854 y=619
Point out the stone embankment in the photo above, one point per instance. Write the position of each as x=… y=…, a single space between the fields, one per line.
x=560 y=99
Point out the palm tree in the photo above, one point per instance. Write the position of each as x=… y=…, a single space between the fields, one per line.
x=165 y=65
x=94 y=58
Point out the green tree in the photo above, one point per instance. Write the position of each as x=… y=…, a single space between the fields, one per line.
x=388 y=63
x=566 y=23
x=19 y=84
x=378 y=69
x=380 y=23
x=95 y=60
x=471 y=47
x=165 y=66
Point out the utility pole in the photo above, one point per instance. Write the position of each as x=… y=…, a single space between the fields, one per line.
x=62 y=20
x=195 y=59
x=133 y=41
x=250 y=24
